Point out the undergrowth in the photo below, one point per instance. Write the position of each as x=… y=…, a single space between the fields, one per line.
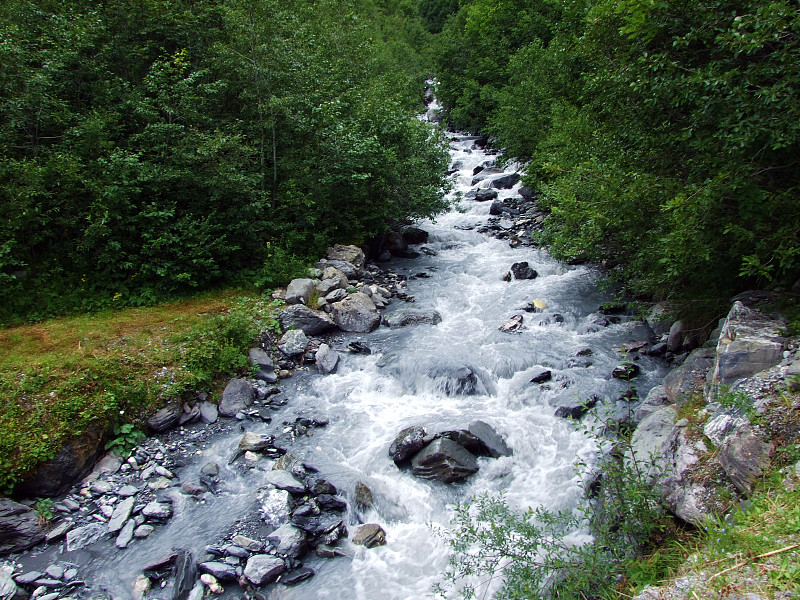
x=110 y=369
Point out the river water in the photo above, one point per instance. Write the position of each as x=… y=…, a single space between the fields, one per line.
x=370 y=398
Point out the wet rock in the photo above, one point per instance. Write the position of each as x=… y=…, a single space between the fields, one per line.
x=331 y=502
x=363 y=495
x=262 y=569
x=208 y=413
x=237 y=396
x=444 y=460
x=288 y=541
x=299 y=291
x=157 y=510
x=505 y=182
x=219 y=570
x=494 y=444
x=80 y=537
x=744 y=458
x=370 y=535
x=310 y=322
x=19 y=527
x=542 y=376
x=513 y=325
x=522 y=270
x=293 y=342
x=570 y=407
x=455 y=379
x=407 y=443
x=121 y=514
x=404 y=317
x=8 y=588
x=326 y=359
x=210 y=469
x=319 y=526
x=485 y=194
x=295 y=576
x=126 y=534
x=209 y=581
x=357 y=313
x=185 y=573
x=192 y=489
x=283 y=480
x=166 y=418
x=143 y=531
x=626 y=371
x=255 y=442
x=59 y=531
x=415 y=235
x=28 y=577
x=140 y=587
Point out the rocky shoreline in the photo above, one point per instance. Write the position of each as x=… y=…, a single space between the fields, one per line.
x=700 y=464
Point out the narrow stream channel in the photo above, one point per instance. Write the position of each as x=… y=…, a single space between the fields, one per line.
x=370 y=398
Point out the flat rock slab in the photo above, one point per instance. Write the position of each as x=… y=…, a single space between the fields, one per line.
x=19 y=527
x=370 y=535
x=81 y=537
x=283 y=480
x=121 y=514
x=444 y=460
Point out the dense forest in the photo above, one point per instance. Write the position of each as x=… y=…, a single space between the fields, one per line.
x=664 y=137
x=155 y=147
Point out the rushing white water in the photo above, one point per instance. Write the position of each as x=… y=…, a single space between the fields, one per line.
x=372 y=397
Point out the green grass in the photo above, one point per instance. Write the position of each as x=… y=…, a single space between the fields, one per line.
x=114 y=367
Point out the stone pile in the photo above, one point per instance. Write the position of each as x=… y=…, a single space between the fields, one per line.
x=447 y=456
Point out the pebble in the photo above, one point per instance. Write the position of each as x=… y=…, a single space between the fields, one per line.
x=211 y=582
x=164 y=472
x=143 y=531
x=55 y=571
x=127 y=490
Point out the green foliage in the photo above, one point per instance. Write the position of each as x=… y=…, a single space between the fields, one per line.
x=151 y=149
x=537 y=552
x=126 y=437
x=44 y=512
x=662 y=138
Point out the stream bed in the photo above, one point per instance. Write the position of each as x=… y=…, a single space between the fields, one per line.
x=408 y=379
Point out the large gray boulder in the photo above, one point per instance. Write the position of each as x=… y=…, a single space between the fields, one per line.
x=293 y=342
x=484 y=195
x=237 y=396
x=326 y=359
x=299 y=291
x=412 y=316
x=352 y=254
x=166 y=418
x=748 y=344
x=505 y=182
x=444 y=460
x=260 y=359
x=744 y=458
x=667 y=454
x=689 y=378
x=19 y=527
x=357 y=313
x=495 y=445
x=310 y=322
